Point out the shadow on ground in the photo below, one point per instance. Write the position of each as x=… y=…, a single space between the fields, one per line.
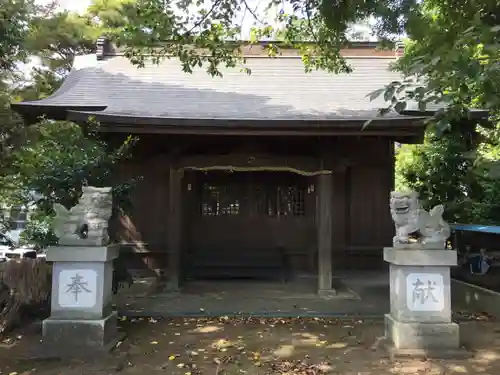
x=255 y=346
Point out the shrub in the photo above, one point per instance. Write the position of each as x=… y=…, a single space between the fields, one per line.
x=24 y=291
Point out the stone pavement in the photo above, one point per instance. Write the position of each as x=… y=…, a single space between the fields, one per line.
x=359 y=293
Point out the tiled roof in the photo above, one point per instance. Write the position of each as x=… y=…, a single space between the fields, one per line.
x=276 y=89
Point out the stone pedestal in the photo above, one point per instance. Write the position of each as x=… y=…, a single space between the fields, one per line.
x=420 y=317
x=81 y=308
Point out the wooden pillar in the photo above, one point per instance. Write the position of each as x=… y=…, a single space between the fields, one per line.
x=324 y=229
x=174 y=230
x=340 y=216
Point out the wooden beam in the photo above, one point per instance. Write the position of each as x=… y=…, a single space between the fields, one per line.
x=324 y=228
x=412 y=135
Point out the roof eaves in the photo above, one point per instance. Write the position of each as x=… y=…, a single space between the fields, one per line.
x=282 y=123
x=473 y=113
x=33 y=111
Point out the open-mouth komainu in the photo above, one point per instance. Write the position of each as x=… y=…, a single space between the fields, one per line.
x=414 y=225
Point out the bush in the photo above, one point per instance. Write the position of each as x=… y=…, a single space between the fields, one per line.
x=24 y=291
x=450 y=170
x=38 y=231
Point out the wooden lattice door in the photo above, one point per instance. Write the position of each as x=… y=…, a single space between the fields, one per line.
x=252 y=212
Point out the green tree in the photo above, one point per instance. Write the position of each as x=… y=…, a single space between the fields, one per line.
x=15 y=17
x=440 y=172
x=48 y=161
x=57 y=158
x=110 y=16
x=452 y=49
x=53 y=167
x=318 y=29
x=451 y=58
x=38 y=231
x=445 y=170
x=11 y=127
x=57 y=37
x=60 y=161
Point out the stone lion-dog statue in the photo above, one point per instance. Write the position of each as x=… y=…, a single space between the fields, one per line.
x=415 y=227
x=86 y=223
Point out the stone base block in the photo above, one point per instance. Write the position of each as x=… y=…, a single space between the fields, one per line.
x=171 y=287
x=422 y=336
x=80 y=334
x=435 y=353
x=82 y=253
x=421 y=257
x=327 y=293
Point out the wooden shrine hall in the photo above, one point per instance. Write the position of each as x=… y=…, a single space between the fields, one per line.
x=267 y=175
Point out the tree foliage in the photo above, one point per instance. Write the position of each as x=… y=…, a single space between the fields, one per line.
x=451 y=59
x=446 y=169
x=58 y=37
x=451 y=52
x=450 y=66
x=15 y=17
x=205 y=33
x=50 y=161
x=60 y=161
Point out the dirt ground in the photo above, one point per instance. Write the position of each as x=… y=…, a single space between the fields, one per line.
x=256 y=347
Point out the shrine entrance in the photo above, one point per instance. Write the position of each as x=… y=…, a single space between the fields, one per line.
x=255 y=224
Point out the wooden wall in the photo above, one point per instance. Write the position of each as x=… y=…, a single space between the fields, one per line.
x=142 y=230
x=368 y=183
x=363 y=170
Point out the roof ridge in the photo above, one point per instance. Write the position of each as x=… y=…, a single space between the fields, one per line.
x=105 y=48
x=281 y=57
x=277 y=89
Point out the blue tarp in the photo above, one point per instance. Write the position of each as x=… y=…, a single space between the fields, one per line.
x=476 y=228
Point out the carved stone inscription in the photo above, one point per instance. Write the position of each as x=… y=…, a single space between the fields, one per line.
x=77 y=288
x=425 y=292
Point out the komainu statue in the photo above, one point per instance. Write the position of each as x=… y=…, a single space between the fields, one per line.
x=85 y=224
x=415 y=227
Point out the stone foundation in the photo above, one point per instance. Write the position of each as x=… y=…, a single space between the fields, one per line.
x=81 y=318
x=420 y=295
x=435 y=336
x=80 y=334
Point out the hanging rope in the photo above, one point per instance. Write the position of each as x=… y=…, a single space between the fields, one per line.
x=231 y=168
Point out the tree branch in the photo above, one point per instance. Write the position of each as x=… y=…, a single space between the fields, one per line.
x=309 y=20
x=252 y=12
x=197 y=24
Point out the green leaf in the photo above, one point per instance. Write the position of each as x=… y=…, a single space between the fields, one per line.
x=441 y=127
x=389 y=93
x=375 y=94
x=400 y=107
x=366 y=123
x=435 y=60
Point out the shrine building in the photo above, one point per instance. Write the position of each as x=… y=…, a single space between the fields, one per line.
x=261 y=175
